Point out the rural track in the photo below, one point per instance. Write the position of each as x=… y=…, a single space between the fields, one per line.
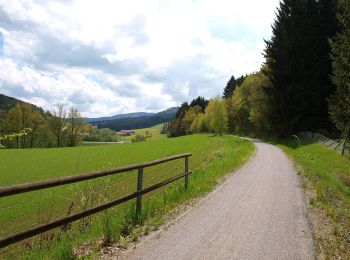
x=257 y=213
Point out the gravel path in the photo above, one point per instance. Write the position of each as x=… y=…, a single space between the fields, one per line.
x=257 y=213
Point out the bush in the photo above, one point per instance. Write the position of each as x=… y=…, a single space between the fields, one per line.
x=138 y=138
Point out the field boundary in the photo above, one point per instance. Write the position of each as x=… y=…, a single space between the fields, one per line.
x=339 y=146
x=27 y=187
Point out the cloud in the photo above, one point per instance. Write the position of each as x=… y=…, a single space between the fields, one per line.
x=106 y=57
x=1 y=43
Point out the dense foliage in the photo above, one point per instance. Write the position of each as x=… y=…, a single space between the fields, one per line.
x=231 y=85
x=189 y=118
x=340 y=101
x=27 y=126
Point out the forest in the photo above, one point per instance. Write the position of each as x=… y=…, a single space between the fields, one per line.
x=27 y=126
x=303 y=85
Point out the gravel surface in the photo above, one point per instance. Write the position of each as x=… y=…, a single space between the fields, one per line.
x=257 y=213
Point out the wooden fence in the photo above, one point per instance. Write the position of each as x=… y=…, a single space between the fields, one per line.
x=339 y=146
x=27 y=187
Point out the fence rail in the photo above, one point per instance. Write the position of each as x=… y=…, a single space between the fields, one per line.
x=339 y=146
x=27 y=187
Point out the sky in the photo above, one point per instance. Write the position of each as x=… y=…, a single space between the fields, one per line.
x=107 y=57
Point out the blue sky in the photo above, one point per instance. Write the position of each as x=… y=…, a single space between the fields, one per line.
x=107 y=57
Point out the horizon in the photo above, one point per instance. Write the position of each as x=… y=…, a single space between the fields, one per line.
x=107 y=58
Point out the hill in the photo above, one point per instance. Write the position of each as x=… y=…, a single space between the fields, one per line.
x=117 y=122
x=7 y=103
x=119 y=116
x=136 y=122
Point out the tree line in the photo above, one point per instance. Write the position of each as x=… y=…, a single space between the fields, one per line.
x=304 y=83
x=26 y=126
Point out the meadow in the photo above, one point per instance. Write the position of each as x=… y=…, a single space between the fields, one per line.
x=154 y=133
x=326 y=177
x=213 y=157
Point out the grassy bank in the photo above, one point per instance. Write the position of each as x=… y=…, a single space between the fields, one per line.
x=213 y=157
x=326 y=177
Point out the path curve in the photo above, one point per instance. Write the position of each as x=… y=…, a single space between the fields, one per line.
x=258 y=213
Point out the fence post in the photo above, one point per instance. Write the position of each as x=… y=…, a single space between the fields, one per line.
x=139 y=196
x=343 y=148
x=186 y=170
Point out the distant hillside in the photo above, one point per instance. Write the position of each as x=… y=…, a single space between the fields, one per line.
x=138 y=122
x=128 y=115
x=116 y=122
x=7 y=103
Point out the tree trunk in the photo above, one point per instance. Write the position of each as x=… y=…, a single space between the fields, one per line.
x=344 y=146
x=58 y=139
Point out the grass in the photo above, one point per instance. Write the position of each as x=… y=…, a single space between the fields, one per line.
x=326 y=177
x=213 y=157
x=154 y=131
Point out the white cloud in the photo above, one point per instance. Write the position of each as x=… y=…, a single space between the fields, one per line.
x=110 y=56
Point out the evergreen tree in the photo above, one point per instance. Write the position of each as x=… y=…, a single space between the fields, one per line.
x=240 y=80
x=201 y=102
x=230 y=87
x=340 y=101
x=182 y=110
x=297 y=58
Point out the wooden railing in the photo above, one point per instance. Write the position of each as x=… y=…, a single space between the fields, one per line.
x=27 y=187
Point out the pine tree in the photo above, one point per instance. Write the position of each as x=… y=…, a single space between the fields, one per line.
x=340 y=101
x=297 y=58
x=230 y=87
x=201 y=102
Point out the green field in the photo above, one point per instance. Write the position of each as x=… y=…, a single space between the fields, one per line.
x=326 y=177
x=213 y=156
x=154 y=131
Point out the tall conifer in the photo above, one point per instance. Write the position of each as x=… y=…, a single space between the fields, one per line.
x=340 y=101
x=298 y=65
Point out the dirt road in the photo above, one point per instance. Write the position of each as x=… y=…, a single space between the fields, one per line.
x=257 y=213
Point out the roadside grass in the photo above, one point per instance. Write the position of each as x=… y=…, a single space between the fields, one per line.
x=326 y=177
x=213 y=157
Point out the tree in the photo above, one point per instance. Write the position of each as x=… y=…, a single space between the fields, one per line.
x=201 y=102
x=182 y=110
x=190 y=116
x=240 y=103
x=298 y=65
x=165 y=128
x=75 y=126
x=177 y=128
x=13 y=135
x=340 y=102
x=215 y=116
x=39 y=126
x=32 y=118
x=202 y=127
x=231 y=86
x=181 y=124
x=259 y=101
x=14 y=122
x=248 y=109
x=58 y=123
